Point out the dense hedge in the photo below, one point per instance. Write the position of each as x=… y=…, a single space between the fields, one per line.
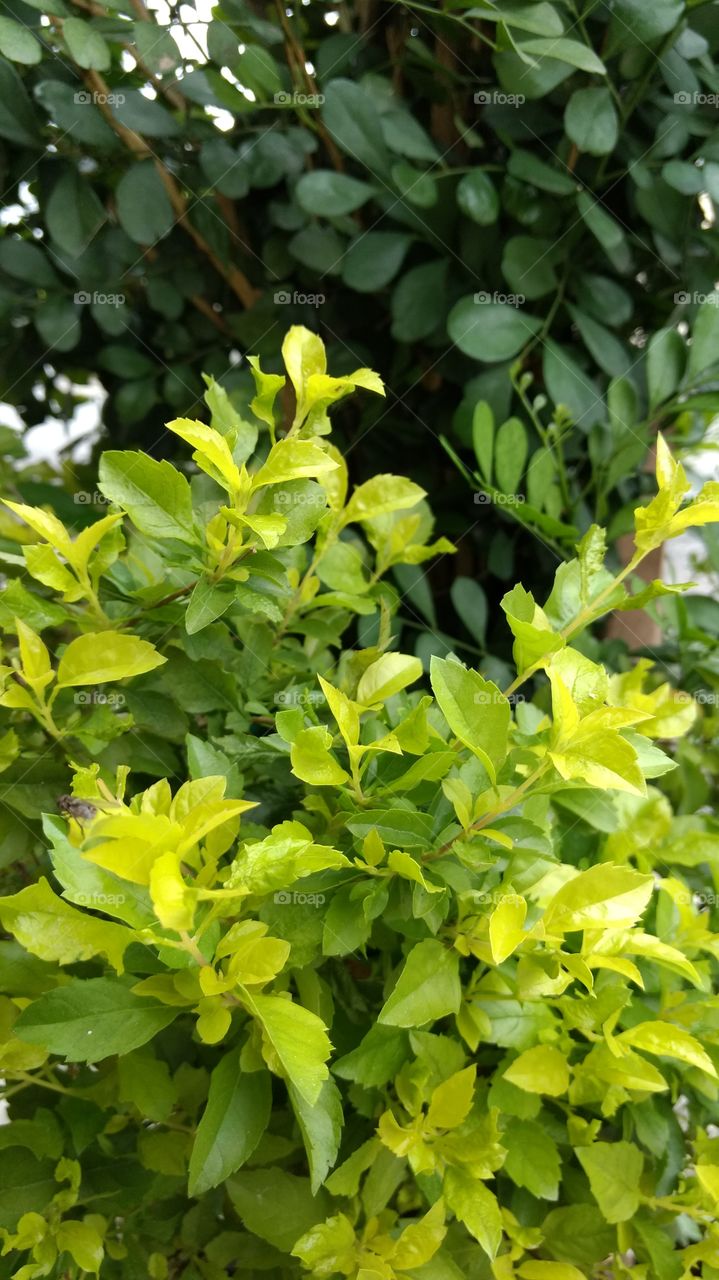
x=315 y=972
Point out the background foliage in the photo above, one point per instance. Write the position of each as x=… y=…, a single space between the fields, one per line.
x=393 y=161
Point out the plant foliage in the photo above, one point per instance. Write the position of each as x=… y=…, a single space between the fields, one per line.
x=485 y=183
x=373 y=980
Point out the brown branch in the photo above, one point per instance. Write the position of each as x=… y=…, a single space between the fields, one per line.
x=237 y=280
x=172 y=94
x=208 y=310
x=229 y=213
x=395 y=37
x=197 y=301
x=101 y=92
x=366 y=10
x=442 y=114
x=296 y=56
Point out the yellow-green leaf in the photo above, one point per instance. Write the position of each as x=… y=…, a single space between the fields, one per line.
x=51 y=929
x=312 y=760
x=44 y=523
x=292 y=459
x=212 y=452
x=668 y=1041
x=381 y=494
x=475 y=1206
x=603 y=896
x=542 y=1069
x=83 y=1242
x=549 y=1271
x=614 y=1170
x=506 y=930
x=106 y=655
x=34 y=657
x=452 y=1100
x=387 y=676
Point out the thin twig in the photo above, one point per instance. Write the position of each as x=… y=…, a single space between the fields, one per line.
x=235 y=278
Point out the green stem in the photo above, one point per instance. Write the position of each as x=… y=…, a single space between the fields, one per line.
x=511 y=508
x=93 y=600
x=296 y=597
x=587 y=615
x=44 y=1084
x=189 y=944
x=490 y=817
x=554 y=448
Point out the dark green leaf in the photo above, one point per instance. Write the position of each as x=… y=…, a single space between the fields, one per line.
x=591 y=121
x=477 y=197
x=143 y=205
x=73 y=213
x=330 y=194
x=373 y=259
x=92 y=1018
x=236 y=1116
x=490 y=330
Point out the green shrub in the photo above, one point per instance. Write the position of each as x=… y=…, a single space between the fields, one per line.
x=375 y=983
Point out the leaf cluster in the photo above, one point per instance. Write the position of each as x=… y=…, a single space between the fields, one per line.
x=328 y=970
